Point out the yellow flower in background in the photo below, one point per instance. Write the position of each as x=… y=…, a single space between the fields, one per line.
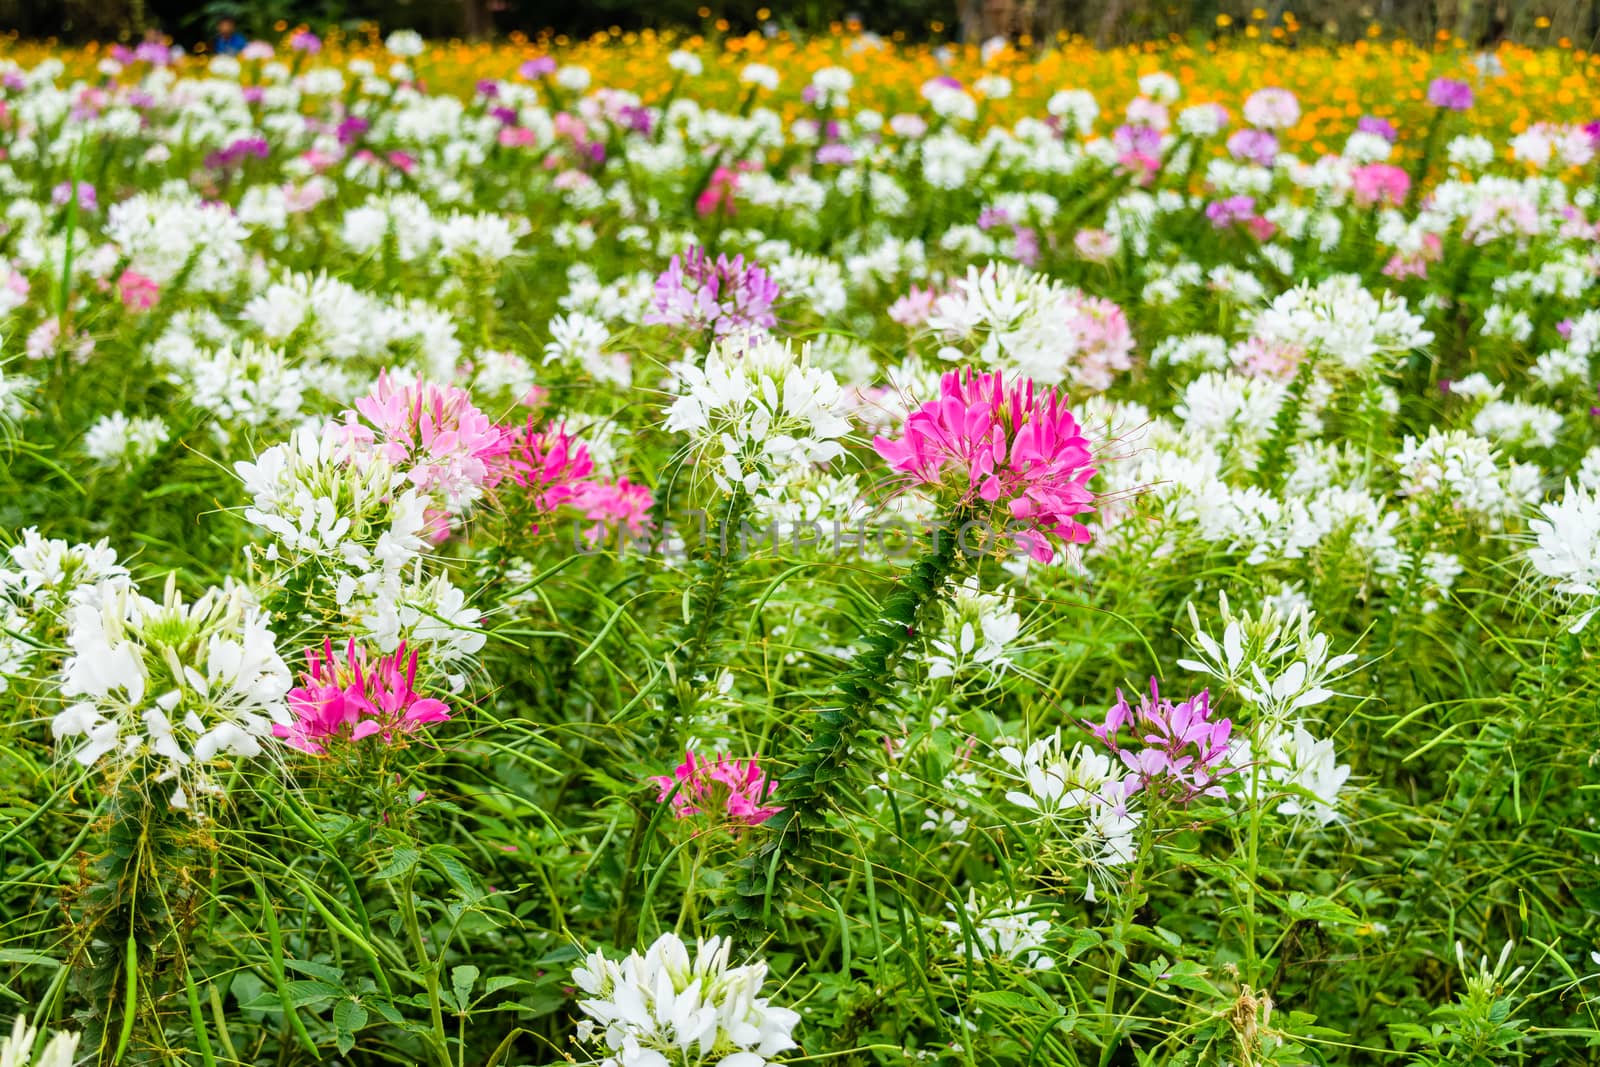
x=1375 y=76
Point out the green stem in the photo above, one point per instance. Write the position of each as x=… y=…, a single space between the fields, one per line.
x=1252 y=858
x=439 y=1040
x=221 y=1019
x=1285 y=428
x=721 y=554
x=1130 y=902
x=197 y=1018
x=1430 y=144
x=821 y=776
x=291 y=1017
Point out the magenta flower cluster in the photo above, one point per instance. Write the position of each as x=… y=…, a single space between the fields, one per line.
x=354 y=698
x=238 y=151
x=557 y=471
x=548 y=462
x=1176 y=748
x=988 y=442
x=737 y=790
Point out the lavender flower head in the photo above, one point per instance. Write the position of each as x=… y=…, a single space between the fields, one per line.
x=1254 y=146
x=725 y=296
x=537 y=67
x=1176 y=749
x=154 y=53
x=835 y=154
x=990 y=217
x=1382 y=127
x=88 y=199
x=1231 y=211
x=1145 y=140
x=1450 y=94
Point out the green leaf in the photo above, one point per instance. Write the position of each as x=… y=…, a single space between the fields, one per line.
x=1082 y=941
x=462 y=979
x=543 y=1004
x=455 y=871
x=251 y=992
x=23 y=956
x=327 y=973
x=1001 y=998
x=1318 y=909
x=304 y=992
x=402 y=861
x=349 y=1016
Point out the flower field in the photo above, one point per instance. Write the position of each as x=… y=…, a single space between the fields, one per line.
x=665 y=551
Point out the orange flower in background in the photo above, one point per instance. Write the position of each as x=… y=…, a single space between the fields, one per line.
x=1378 y=77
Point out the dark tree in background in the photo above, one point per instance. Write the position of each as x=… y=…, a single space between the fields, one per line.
x=1107 y=22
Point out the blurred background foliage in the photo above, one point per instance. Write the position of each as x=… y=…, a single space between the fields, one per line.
x=1560 y=23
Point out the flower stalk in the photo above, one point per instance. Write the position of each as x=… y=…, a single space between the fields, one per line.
x=822 y=775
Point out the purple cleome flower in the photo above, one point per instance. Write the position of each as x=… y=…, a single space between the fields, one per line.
x=1450 y=94
x=726 y=296
x=1182 y=751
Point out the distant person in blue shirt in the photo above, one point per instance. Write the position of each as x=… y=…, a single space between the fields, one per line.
x=230 y=42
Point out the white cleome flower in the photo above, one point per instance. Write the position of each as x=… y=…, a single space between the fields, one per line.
x=117 y=439
x=177 y=684
x=17 y=1050
x=758 y=414
x=48 y=575
x=1014 y=319
x=1296 y=763
x=1084 y=792
x=1342 y=320
x=1567 y=548
x=1467 y=474
x=1279 y=665
x=979 y=628
x=664 y=1009
x=1013 y=930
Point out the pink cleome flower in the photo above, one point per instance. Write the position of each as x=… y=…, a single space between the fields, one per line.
x=738 y=789
x=1096 y=246
x=1415 y=264
x=137 y=292
x=913 y=309
x=1261 y=358
x=355 y=699
x=984 y=441
x=1380 y=184
x=718 y=197
x=1104 y=340
x=433 y=433
x=616 y=504
x=548 y=462
x=1182 y=750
